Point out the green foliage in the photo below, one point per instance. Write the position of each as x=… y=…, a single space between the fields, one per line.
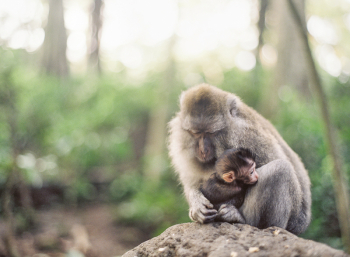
x=300 y=124
x=125 y=185
x=87 y=133
x=66 y=130
x=155 y=207
x=245 y=85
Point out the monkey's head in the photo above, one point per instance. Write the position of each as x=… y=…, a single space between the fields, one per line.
x=237 y=165
x=205 y=113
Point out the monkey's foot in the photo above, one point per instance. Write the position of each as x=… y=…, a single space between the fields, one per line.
x=229 y=213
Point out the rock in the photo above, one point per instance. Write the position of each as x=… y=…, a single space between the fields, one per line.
x=224 y=239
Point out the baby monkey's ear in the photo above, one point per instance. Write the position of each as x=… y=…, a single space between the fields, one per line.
x=229 y=177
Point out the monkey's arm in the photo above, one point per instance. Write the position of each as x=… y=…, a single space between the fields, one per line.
x=201 y=210
x=190 y=174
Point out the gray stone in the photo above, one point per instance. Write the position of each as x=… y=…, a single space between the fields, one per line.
x=231 y=240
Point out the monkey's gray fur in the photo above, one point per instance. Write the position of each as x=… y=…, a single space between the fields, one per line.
x=210 y=121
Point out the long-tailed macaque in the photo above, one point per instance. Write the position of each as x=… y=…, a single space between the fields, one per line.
x=211 y=121
x=234 y=173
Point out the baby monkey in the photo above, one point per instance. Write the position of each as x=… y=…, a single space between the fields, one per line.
x=225 y=188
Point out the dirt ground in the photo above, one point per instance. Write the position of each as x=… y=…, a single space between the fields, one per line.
x=88 y=231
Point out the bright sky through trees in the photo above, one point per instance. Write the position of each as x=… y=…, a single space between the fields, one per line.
x=134 y=32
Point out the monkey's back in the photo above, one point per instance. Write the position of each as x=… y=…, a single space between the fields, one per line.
x=274 y=147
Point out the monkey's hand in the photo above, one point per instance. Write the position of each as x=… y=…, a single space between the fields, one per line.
x=229 y=213
x=201 y=210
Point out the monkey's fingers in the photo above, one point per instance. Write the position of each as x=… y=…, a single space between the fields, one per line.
x=208 y=215
x=202 y=214
x=208 y=212
x=206 y=219
x=209 y=205
x=223 y=210
x=206 y=202
x=196 y=216
x=209 y=219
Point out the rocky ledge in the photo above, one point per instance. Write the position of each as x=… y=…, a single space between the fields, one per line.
x=231 y=240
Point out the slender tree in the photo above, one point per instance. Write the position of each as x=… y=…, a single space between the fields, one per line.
x=55 y=44
x=7 y=95
x=8 y=214
x=154 y=156
x=96 y=25
x=289 y=69
x=339 y=178
x=261 y=26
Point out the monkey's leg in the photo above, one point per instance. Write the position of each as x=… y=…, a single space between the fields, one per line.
x=275 y=197
x=201 y=210
x=229 y=213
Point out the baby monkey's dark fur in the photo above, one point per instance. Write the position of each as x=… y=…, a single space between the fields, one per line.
x=218 y=190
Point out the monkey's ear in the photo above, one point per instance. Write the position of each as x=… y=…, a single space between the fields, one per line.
x=232 y=106
x=229 y=177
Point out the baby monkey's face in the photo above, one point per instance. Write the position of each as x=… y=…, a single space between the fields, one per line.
x=246 y=173
x=250 y=176
x=237 y=165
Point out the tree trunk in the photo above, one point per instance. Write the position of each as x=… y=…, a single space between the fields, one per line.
x=290 y=68
x=96 y=25
x=339 y=178
x=261 y=26
x=8 y=108
x=154 y=157
x=55 y=44
x=8 y=103
x=10 y=243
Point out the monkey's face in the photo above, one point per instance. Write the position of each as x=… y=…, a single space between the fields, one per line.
x=204 y=147
x=205 y=115
x=246 y=175
x=237 y=165
x=250 y=176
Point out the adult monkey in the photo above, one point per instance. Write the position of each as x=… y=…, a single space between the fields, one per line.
x=209 y=122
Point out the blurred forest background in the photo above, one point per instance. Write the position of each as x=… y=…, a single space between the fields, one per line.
x=87 y=88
